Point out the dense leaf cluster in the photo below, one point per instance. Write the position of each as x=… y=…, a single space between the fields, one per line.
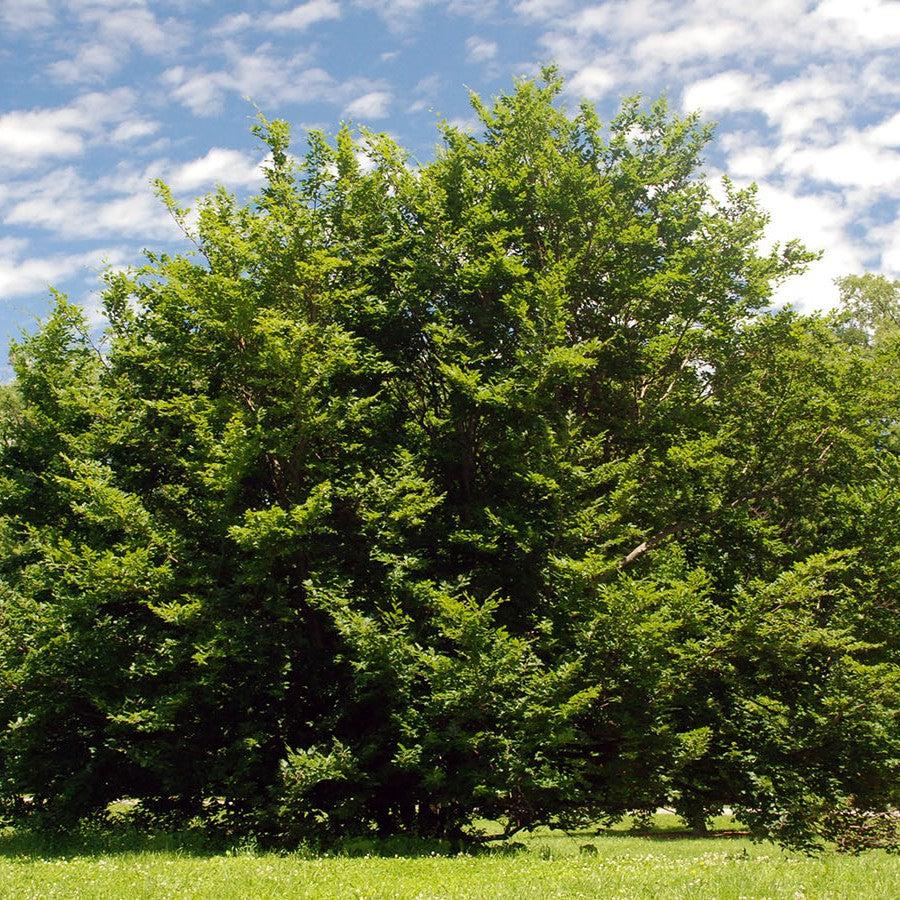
x=486 y=488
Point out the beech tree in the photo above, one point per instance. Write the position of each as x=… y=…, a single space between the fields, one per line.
x=491 y=488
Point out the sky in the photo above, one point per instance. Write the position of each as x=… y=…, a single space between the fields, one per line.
x=98 y=97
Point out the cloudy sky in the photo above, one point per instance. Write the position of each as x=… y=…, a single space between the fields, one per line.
x=99 y=96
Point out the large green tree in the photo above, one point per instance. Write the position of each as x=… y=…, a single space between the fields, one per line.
x=487 y=488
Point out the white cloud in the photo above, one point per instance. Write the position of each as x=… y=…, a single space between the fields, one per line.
x=400 y=15
x=299 y=18
x=429 y=85
x=850 y=163
x=132 y=129
x=875 y=21
x=752 y=161
x=121 y=202
x=28 y=137
x=811 y=112
x=92 y=62
x=12 y=247
x=425 y=91
x=260 y=74
x=200 y=91
x=711 y=40
x=541 y=9
x=137 y=215
x=103 y=34
x=473 y=9
x=795 y=105
x=234 y=23
x=133 y=23
x=591 y=82
x=20 y=276
x=26 y=15
x=219 y=166
x=306 y=14
x=371 y=105
x=888 y=238
x=480 y=50
x=642 y=40
x=267 y=77
x=397 y=14
x=64 y=203
x=821 y=221
x=877 y=77
x=593 y=20
x=625 y=17
x=724 y=91
x=886 y=133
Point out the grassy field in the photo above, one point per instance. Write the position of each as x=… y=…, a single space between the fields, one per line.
x=666 y=863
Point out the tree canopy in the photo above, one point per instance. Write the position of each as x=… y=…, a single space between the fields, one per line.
x=491 y=487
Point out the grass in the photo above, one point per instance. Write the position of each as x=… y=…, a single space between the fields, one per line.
x=667 y=862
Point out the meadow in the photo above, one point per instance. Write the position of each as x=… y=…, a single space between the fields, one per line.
x=667 y=861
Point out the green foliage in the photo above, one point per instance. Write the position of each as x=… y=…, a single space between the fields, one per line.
x=486 y=489
x=870 y=307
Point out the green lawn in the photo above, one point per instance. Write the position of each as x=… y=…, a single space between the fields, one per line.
x=665 y=864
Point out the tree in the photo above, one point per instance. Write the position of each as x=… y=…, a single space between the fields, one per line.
x=869 y=307
x=482 y=489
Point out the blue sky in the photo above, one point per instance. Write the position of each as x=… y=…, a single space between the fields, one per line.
x=97 y=97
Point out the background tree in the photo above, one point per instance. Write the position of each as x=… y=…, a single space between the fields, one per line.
x=870 y=307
